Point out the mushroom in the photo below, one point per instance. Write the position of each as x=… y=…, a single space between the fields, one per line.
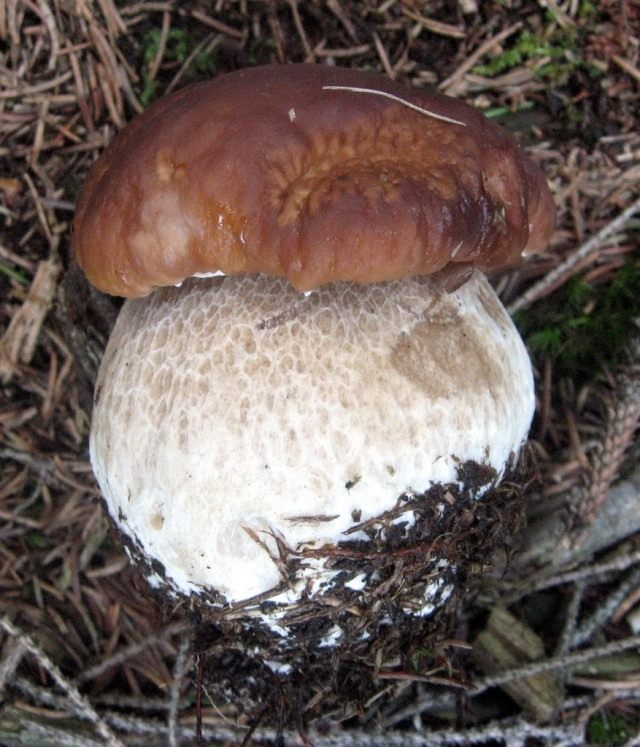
x=252 y=427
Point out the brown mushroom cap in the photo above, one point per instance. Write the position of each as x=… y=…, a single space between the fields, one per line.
x=267 y=170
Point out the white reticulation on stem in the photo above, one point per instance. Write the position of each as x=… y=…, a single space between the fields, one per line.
x=219 y=439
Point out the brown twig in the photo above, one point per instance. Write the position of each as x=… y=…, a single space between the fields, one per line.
x=449 y=84
x=179 y=671
x=565 y=270
x=590 y=571
x=606 y=609
x=559 y=663
x=179 y=628
x=10 y=658
x=79 y=702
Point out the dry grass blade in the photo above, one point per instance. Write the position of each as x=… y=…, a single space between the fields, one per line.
x=80 y=704
x=10 y=658
x=180 y=628
x=436 y=27
x=590 y=571
x=450 y=84
x=560 y=663
x=403 y=102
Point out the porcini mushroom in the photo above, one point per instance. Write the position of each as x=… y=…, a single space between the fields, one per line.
x=324 y=379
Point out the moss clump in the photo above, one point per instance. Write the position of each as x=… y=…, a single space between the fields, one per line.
x=179 y=45
x=527 y=46
x=582 y=326
x=607 y=730
x=555 y=56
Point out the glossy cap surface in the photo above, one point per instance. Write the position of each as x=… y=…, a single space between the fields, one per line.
x=267 y=170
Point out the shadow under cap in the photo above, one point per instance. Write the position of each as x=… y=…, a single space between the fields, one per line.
x=268 y=170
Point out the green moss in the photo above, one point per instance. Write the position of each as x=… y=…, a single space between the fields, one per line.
x=587 y=11
x=607 y=730
x=148 y=92
x=179 y=45
x=17 y=275
x=527 y=46
x=176 y=49
x=38 y=541
x=498 y=112
x=583 y=327
x=560 y=55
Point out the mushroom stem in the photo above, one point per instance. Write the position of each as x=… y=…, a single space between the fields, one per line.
x=249 y=405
